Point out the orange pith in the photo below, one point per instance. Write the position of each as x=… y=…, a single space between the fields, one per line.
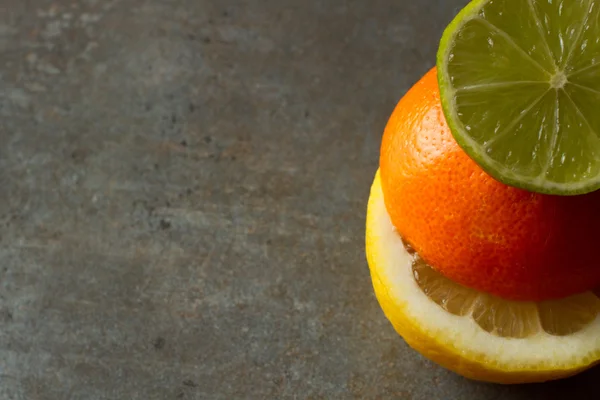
x=473 y=229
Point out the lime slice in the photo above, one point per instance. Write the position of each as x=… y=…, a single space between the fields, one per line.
x=520 y=88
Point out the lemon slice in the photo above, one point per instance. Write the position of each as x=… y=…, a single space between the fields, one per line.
x=477 y=335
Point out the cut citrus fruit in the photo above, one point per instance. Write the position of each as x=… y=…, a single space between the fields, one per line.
x=472 y=333
x=520 y=88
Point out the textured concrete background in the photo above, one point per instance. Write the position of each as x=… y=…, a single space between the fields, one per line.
x=183 y=189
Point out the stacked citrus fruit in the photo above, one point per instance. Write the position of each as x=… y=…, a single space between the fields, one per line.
x=484 y=215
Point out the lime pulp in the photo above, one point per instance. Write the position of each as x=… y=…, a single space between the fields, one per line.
x=520 y=88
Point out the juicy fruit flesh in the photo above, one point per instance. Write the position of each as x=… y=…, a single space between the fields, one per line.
x=505 y=318
x=520 y=82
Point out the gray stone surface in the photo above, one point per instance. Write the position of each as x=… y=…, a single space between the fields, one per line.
x=183 y=189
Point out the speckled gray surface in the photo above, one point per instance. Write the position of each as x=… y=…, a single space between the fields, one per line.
x=183 y=195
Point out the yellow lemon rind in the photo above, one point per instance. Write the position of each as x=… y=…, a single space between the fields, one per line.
x=457 y=342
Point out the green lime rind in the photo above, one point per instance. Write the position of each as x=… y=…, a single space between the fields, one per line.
x=520 y=88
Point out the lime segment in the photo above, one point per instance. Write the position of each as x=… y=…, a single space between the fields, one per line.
x=520 y=87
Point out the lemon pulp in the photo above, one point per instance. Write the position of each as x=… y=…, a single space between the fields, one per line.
x=505 y=318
